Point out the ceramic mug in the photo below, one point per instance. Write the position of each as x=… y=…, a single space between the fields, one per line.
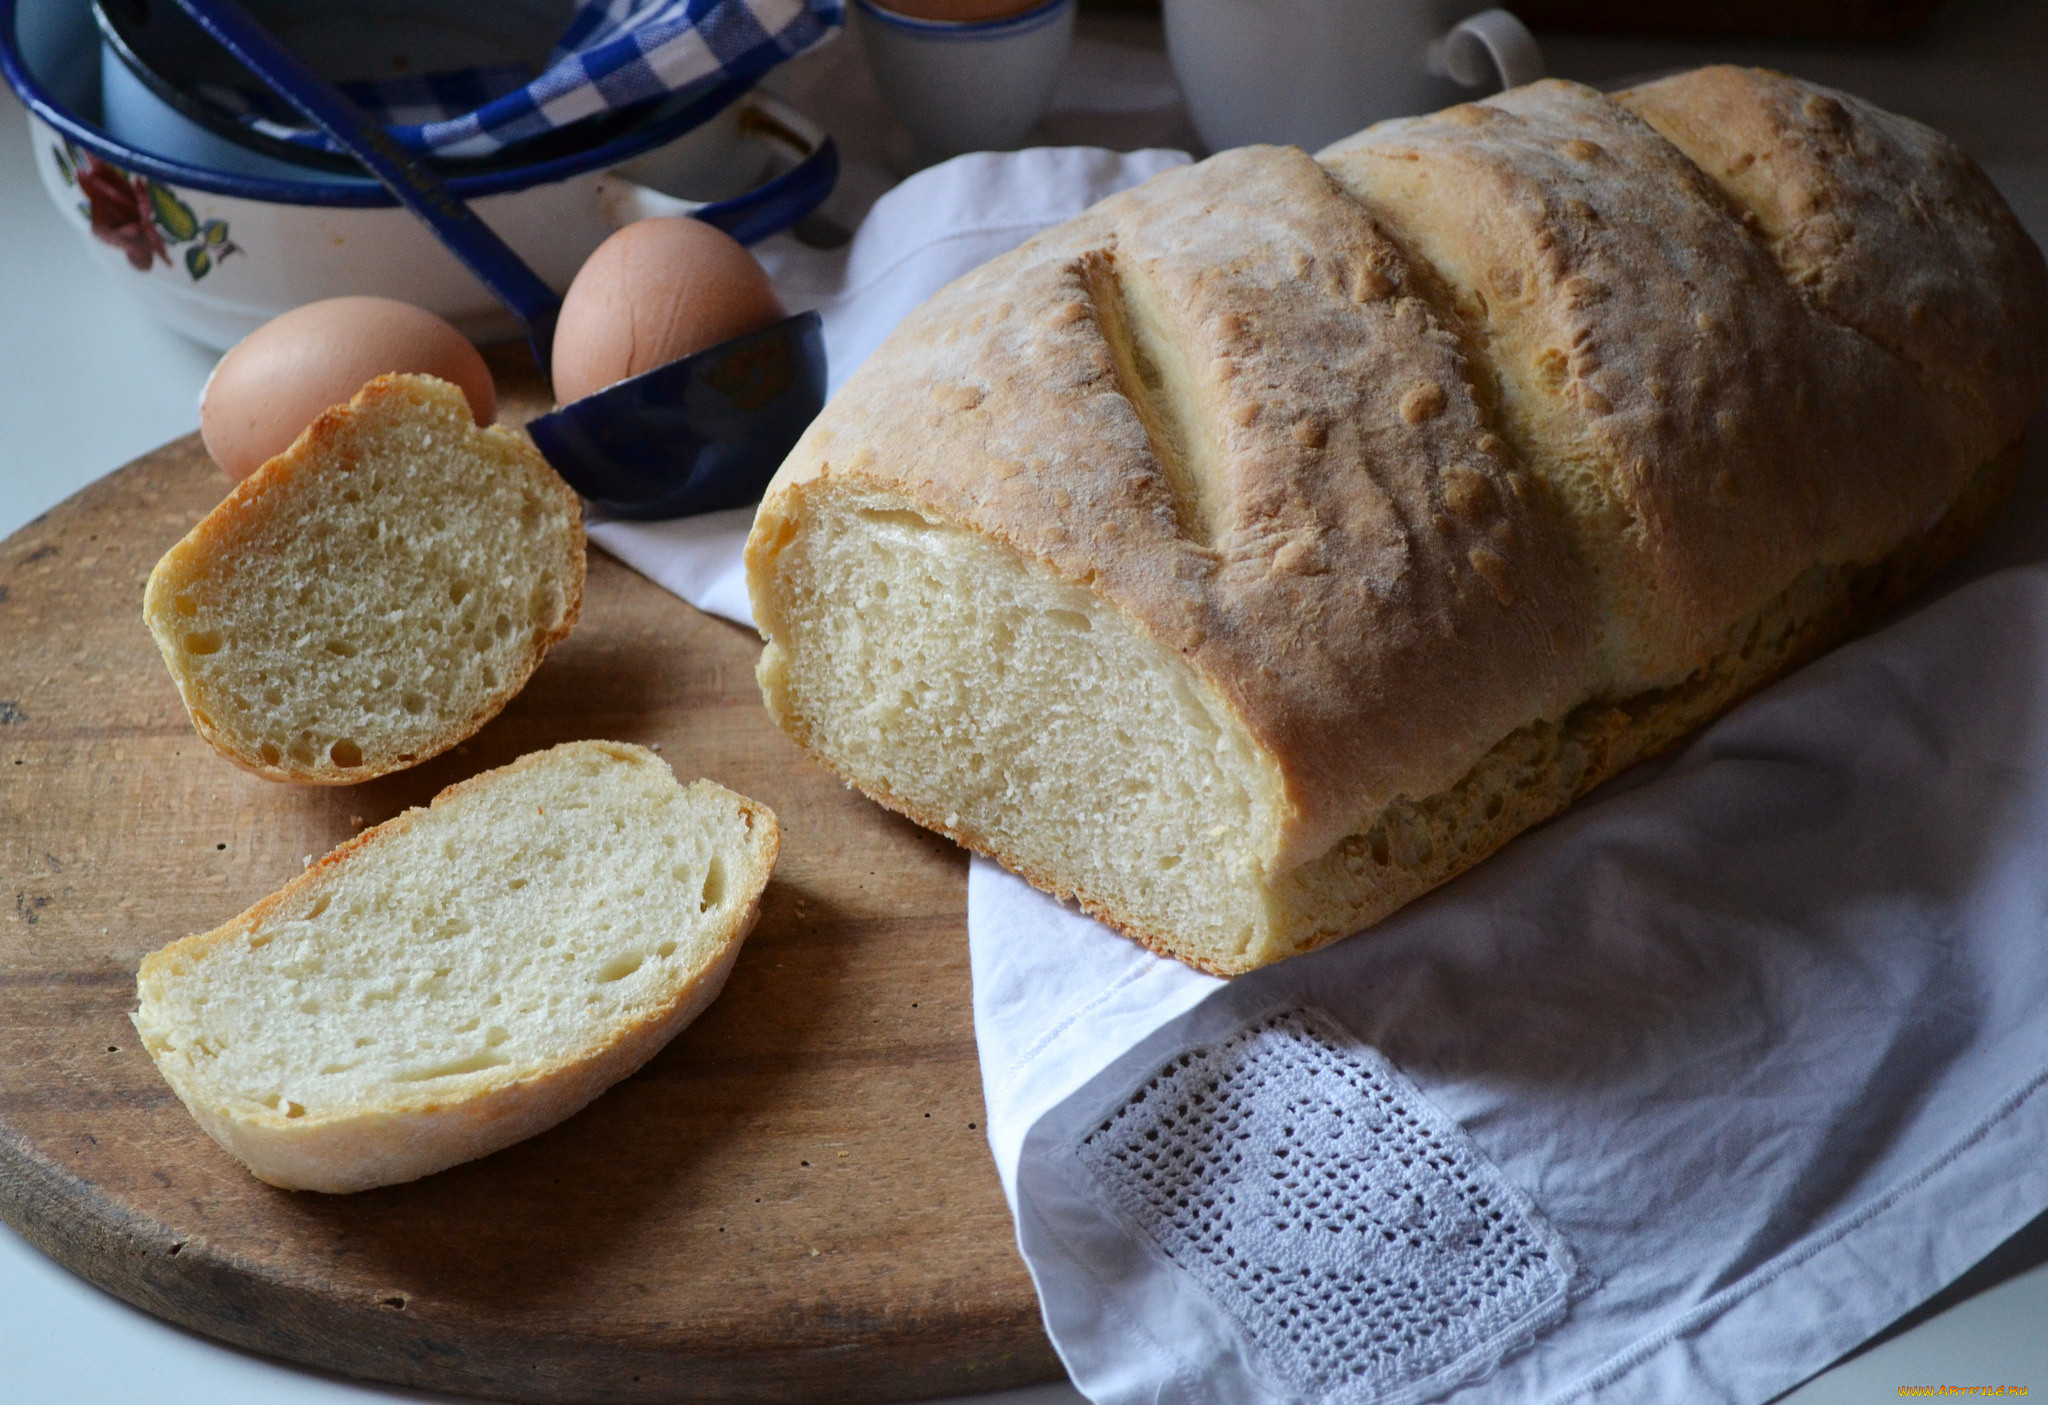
x=214 y=253
x=1309 y=72
x=975 y=85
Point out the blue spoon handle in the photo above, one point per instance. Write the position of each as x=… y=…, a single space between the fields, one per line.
x=529 y=299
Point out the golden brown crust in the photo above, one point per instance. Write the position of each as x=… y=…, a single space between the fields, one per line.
x=1590 y=745
x=1364 y=545
x=1539 y=770
x=1710 y=436
x=1494 y=419
x=257 y=500
x=1882 y=224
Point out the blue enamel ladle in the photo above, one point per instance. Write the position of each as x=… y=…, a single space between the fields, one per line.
x=699 y=434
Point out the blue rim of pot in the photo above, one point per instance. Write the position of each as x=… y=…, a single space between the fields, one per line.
x=967 y=31
x=766 y=207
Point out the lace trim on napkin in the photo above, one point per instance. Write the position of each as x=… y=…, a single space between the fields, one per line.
x=1364 y=1246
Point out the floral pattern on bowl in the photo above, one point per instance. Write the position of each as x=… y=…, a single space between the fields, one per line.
x=143 y=218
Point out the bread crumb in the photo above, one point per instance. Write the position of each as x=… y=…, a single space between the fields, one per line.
x=1371 y=286
x=1494 y=568
x=1424 y=401
x=1468 y=494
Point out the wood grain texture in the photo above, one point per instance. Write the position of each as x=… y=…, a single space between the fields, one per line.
x=794 y=1201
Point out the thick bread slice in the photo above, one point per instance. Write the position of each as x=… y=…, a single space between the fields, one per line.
x=374 y=594
x=1275 y=540
x=461 y=976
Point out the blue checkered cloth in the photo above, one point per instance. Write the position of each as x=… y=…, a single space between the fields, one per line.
x=615 y=53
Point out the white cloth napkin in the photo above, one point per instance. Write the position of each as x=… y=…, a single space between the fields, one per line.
x=1679 y=1097
x=1758 y=1035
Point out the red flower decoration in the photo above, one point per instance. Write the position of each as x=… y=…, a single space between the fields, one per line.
x=121 y=216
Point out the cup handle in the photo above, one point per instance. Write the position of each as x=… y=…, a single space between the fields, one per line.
x=1489 y=43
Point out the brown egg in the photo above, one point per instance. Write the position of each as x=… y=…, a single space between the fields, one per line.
x=654 y=292
x=278 y=379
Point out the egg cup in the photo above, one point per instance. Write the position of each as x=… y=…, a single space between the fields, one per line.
x=976 y=85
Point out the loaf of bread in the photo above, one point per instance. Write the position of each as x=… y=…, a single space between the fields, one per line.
x=374 y=594
x=462 y=976
x=1280 y=537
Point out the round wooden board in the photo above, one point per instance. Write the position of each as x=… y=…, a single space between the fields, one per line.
x=794 y=1201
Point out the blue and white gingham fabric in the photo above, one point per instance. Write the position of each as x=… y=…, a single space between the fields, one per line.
x=615 y=53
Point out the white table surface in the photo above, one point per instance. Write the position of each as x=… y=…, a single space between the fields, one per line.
x=87 y=383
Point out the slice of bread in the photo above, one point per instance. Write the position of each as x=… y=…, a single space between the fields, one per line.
x=461 y=976
x=374 y=594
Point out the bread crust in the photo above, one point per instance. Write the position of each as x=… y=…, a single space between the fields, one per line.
x=462 y=1116
x=1369 y=536
x=1611 y=736
x=1881 y=223
x=1712 y=425
x=269 y=492
x=1475 y=422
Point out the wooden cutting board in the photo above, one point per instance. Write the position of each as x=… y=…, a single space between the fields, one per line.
x=793 y=1202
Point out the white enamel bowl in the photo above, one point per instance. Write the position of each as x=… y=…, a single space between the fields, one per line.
x=215 y=253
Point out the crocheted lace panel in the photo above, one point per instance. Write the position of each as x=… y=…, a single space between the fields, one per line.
x=1365 y=1248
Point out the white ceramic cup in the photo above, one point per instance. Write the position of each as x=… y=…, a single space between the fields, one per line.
x=1309 y=72
x=967 y=85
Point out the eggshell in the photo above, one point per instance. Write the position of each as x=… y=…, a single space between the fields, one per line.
x=279 y=378
x=654 y=292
